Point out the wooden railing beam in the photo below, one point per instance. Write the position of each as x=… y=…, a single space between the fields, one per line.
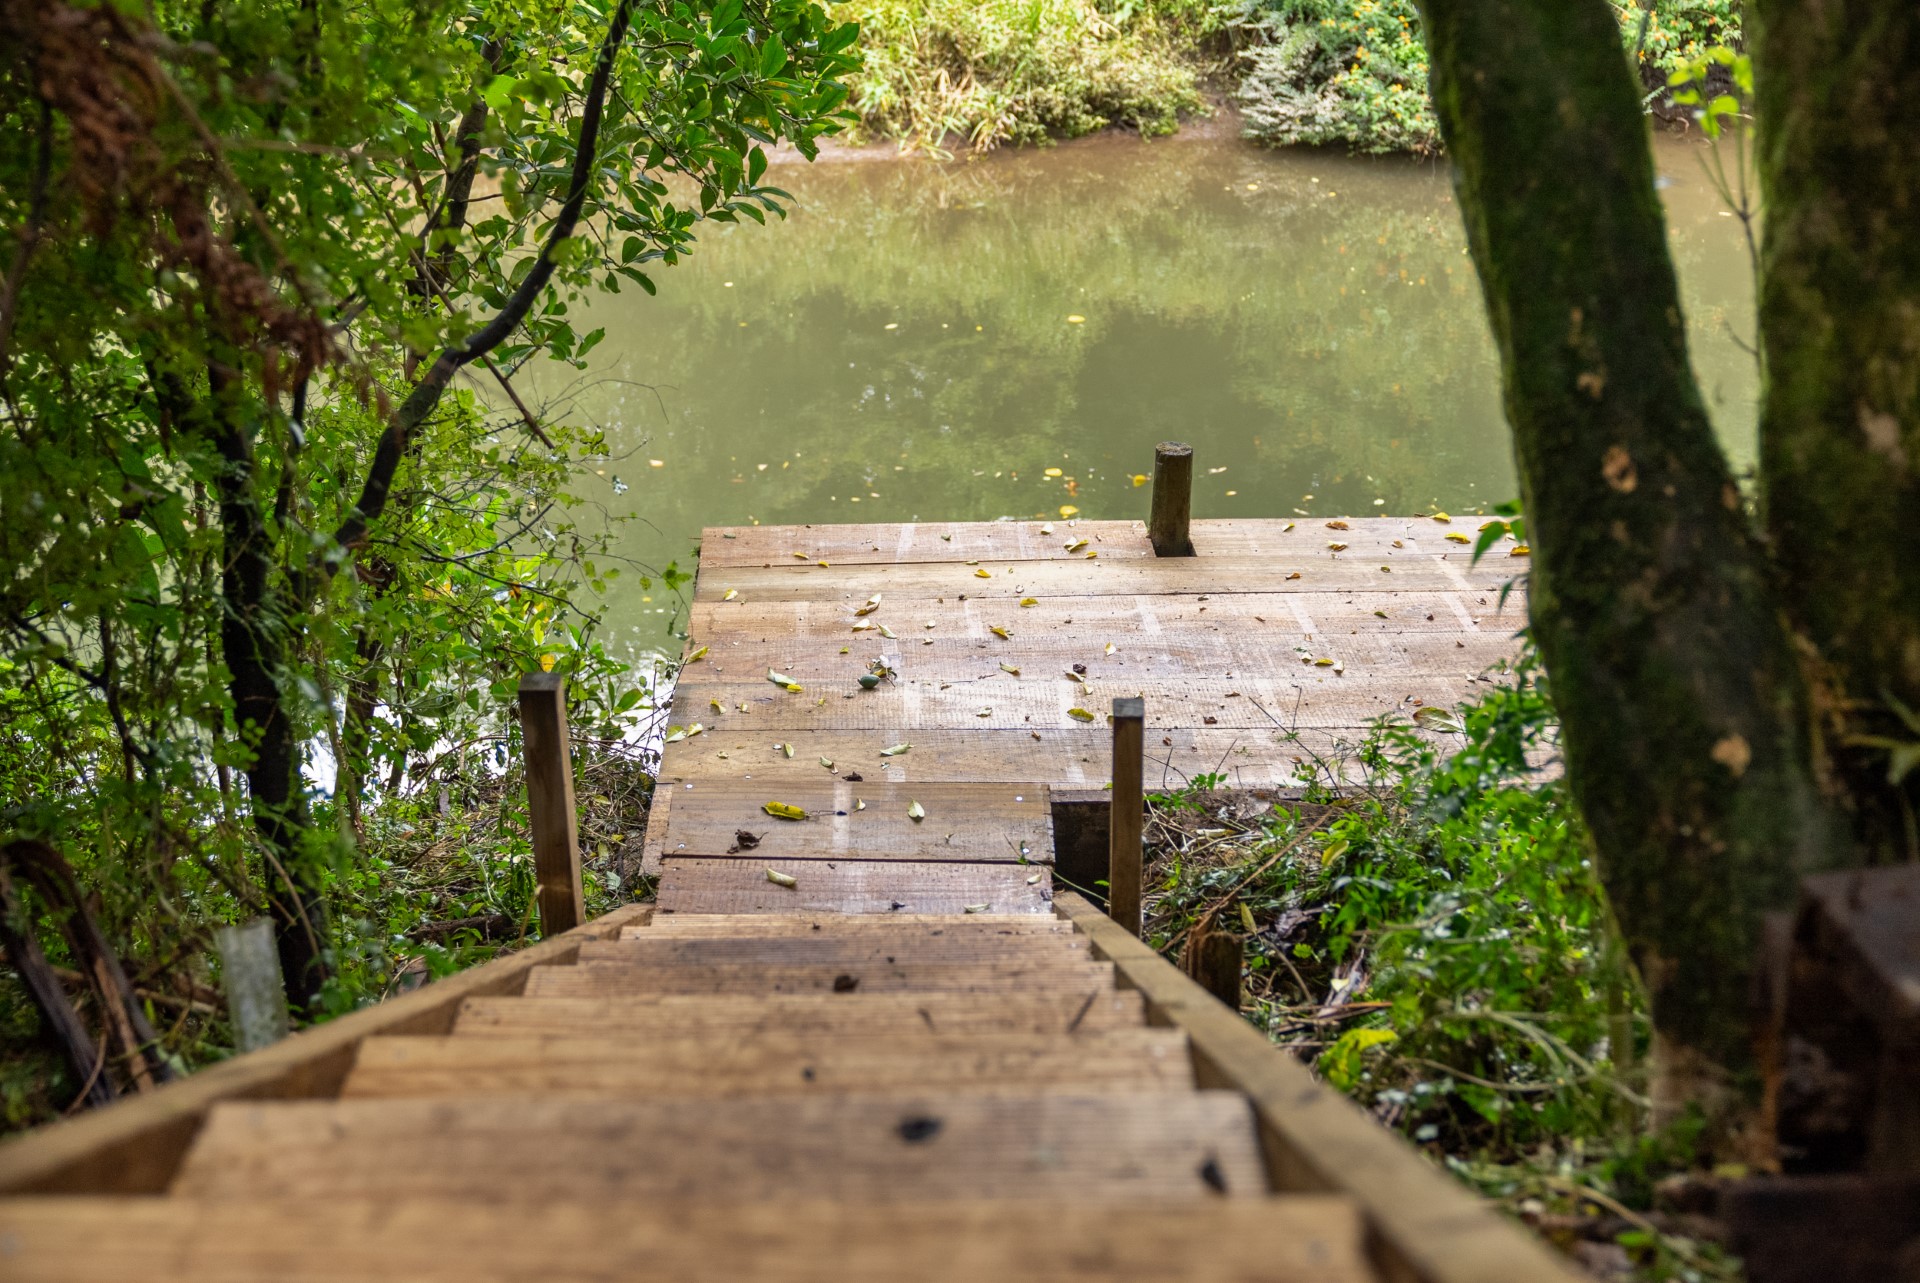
x=1125 y=829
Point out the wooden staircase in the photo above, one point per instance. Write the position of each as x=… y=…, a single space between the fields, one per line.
x=802 y=1096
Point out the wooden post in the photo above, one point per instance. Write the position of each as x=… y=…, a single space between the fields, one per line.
x=1125 y=846
x=1214 y=959
x=556 y=840
x=1172 y=500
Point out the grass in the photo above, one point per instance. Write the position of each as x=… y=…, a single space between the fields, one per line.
x=942 y=75
x=1425 y=927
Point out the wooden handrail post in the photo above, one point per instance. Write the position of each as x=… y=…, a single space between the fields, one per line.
x=1172 y=500
x=550 y=809
x=1126 y=851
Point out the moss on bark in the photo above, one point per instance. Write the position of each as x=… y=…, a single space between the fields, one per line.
x=1838 y=106
x=1674 y=674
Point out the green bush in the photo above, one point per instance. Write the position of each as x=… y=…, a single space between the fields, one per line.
x=986 y=72
x=1352 y=71
x=1432 y=932
x=1355 y=71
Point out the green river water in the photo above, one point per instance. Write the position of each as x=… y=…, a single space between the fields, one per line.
x=926 y=340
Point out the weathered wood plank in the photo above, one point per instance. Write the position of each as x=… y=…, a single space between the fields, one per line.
x=838 y=948
x=733 y=1066
x=1318 y=569
x=857 y=544
x=848 y=1148
x=1146 y=623
x=689 y=885
x=423 y=1240
x=1091 y=1006
x=1249 y=757
x=928 y=541
x=865 y=820
x=133 y=1146
x=1427 y=1227
x=608 y=979
x=988 y=699
x=904 y=927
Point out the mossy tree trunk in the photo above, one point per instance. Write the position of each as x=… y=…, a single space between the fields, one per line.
x=1838 y=110
x=1676 y=678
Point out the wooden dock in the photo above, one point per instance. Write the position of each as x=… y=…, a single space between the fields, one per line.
x=1004 y=645
x=874 y=1043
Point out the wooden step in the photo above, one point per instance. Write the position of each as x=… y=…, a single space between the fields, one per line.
x=965 y=822
x=833 y=948
x=629 y=1068
x=689 y=885
x=681 y=925
x=1090 y=1007
x=353 y=1239
x=609 y=979
x=1174 y=1146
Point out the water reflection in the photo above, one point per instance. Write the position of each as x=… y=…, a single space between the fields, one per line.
x=928 y=341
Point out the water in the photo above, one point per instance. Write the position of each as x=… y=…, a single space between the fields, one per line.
x=927 y=341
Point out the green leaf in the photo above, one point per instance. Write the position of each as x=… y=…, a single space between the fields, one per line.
x=498 y=91
x=773 y=56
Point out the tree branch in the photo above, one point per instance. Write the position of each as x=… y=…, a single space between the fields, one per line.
x=397 y=440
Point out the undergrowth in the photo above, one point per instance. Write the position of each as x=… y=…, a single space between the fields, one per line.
x=1355 y=71
x=946 y=74
x=443 y=881
x=1426 y=927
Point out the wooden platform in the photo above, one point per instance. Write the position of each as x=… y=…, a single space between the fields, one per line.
x=1005 y=644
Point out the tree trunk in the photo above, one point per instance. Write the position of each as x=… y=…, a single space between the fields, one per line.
x=253 y=632
x=363 y=696
x=1838 y=105
x=1675 y=677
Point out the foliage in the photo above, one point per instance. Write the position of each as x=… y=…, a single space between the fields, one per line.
x=1669 y=34
x=1355 y=71
x=269 y=269
x=986 y=72
x=1351 y=71
x=1429 y=925
x=1427 y=928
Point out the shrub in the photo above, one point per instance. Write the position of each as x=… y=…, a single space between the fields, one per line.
x=987 y=72
x=1432 y=932
x=1355 y=71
